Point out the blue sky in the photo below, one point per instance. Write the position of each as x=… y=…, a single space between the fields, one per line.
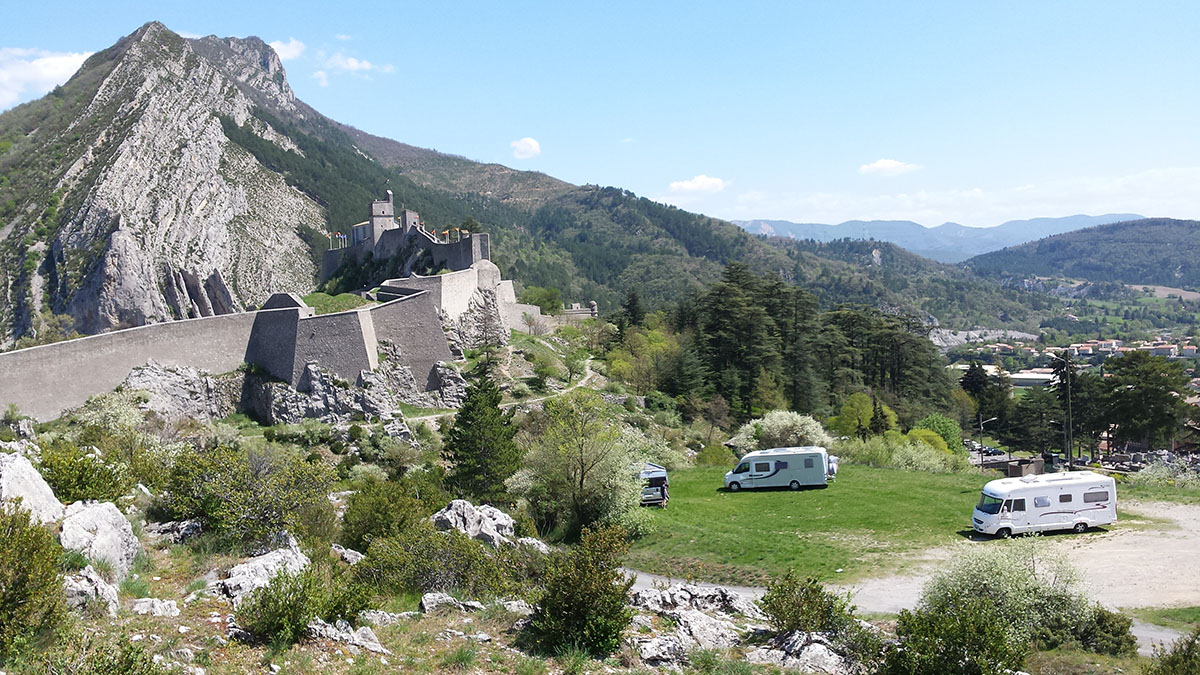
x=808 y=111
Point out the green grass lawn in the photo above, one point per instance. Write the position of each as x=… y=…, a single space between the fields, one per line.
x=1180 y=618
x=329 y=304
x=1158 y=493
x=859 y=524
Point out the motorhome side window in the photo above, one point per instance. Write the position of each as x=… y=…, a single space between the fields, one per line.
x=762 y=466
x=1018 y=505
x=1041 y=502
x=1064 y=499
x=742 y=468
x=1093 y=497
x=808 y=464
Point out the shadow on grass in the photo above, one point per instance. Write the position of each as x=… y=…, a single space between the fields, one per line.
x=972 y=535
x=781 y=488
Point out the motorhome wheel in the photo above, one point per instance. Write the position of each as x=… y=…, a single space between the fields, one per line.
x=1003 y=533
x=795 y=485
x=734 y=486
x=1080 y=528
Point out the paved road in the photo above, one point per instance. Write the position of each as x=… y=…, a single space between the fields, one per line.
x=1148 y=635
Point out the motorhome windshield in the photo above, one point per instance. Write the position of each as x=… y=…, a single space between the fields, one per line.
x=989 y=504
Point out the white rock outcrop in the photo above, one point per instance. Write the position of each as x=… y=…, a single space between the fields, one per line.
x=376 y=617
x=431 y=602
x=154 y=607
x=87 y=586
x=100 y=531
x=485 y=523
x=347 y=555
x=19 y=480
x=802 y=652
x=692 y=596
x=256 y=572
x=173 y=531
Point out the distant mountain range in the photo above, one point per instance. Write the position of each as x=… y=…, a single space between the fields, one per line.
x=949 y=242
x=1152 y=251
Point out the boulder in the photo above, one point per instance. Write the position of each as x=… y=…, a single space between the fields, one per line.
x=697 y=630
x=100 y=531
x=663 y=650
x=517 y=607
x=87 y=586
x=19 y=480
x=348 y=555
x=256 y=572
x=154 y=607
x=535 y=544
x=803 y=652
x=340 y=631
x=485 y=523
x=174 y=531
x=181 y=392
x=431 y=602
x=692 y=596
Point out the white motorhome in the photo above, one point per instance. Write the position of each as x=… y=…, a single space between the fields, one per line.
x=782 y=467
x=1054 y=501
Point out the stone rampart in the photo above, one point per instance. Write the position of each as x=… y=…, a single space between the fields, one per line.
x=412 y=325
x=47 y=380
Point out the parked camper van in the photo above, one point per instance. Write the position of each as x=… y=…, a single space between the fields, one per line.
x=655 y=486
x=1054 y=501
x=782 y=467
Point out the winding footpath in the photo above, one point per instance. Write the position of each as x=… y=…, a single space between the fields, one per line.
x=588 y=375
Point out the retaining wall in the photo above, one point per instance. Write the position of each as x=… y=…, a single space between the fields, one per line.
x=47 y=380
x=412 y=324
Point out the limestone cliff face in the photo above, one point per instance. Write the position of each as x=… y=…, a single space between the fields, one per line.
x=168 y=218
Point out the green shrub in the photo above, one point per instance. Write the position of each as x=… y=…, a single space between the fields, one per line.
x=1025 y=584
x=715 y=455
x=1182 y=658
x=928 y=437
x=1108 y=632
x=945 y=427
x=246 y=495
x=378 y=509
x=968 y=637
x=279 y=612
x=421 y=559
x=791 y=604
x=780 y=429
x=897 y=451
x=31 y=591
x=338 y=593
x=89 y=653
x=76 y=474
x=585 y=601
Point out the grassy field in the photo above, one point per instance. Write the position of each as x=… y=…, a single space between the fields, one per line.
x=858 y=524
x=1180 y=618
x=1158 y=493
x=329 y=304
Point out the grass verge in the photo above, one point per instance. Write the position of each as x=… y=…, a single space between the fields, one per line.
x=329 y=304
x=1180 y=618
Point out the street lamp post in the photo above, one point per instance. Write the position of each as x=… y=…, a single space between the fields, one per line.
x=981 y=423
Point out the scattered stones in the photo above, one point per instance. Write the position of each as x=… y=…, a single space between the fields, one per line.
x=485 y=523
x=480 y=637
x=256 y=572
x=378 y=618
x=87 y=586
x=154 y=607
x=19 y=480
x=661 y=651
x=99 y=531
x=340 y=631
x=348 y=555
x=697 y=630
x=174 y=531
x=805 y=652
x=431 y=602
x=450 y=634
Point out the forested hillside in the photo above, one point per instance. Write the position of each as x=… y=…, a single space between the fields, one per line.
x=1156 y=251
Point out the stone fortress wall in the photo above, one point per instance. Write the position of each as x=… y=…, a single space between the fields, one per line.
x=282 y=337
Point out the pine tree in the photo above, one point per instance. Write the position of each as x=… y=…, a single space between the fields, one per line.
x=632 y=309
x=480 y=446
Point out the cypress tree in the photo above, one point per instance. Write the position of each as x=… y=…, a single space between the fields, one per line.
x=480 y=447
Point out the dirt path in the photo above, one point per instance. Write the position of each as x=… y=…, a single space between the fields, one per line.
x=1122 y=568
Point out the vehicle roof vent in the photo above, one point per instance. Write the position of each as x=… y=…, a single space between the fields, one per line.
x=1028 y=479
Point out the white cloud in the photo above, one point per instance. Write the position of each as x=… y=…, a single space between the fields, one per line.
x=701 y=183
x=30 y=73
x=321 y=78
x=190 y=36
x=887 y=167
x=340 y=61
x=343 y=37
x=292 y=49
x=526 y=148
